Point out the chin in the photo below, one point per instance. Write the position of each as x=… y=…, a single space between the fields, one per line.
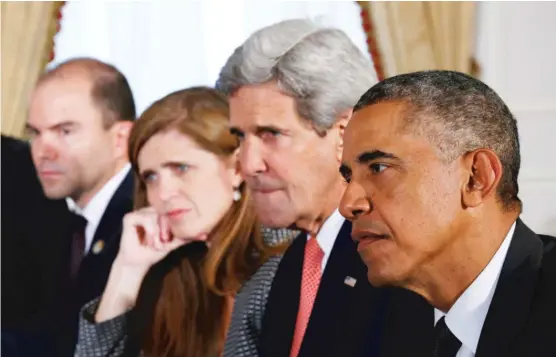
x=379 y=278
x=275 y=221
x=185 y=234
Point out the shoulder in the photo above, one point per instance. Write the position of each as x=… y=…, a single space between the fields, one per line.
x=278 y=236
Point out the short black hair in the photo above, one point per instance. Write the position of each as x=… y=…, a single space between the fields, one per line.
x=110 y=89
x=459 y=114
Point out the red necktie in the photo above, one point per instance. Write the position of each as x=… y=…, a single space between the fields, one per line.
x=310 y=281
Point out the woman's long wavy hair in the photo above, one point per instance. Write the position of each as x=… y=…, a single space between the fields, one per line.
x=191 y=312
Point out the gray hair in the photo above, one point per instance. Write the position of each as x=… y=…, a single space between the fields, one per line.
x=458 y=114
x=320 y=67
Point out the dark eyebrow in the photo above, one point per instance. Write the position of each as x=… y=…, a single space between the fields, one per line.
x=258 y=130
x=56 y=126
x=267 y=129
x=373 y=155
x=30 y=128
x=345 y=171
x=236 y=132
x=144 y=173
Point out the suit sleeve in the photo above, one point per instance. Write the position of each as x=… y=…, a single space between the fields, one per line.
x=106 y=339
x=250 y=302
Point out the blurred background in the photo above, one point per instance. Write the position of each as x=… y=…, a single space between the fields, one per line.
x=162 y=46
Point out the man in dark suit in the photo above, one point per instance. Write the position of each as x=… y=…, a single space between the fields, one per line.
x=29 y=252
x=80 y=116
x=291 y=88
x=432 y=161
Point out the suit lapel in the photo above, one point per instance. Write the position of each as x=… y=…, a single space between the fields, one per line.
x=409 y=326
x=109 y=227
x=335 y=299
x=283 y=302
x=511 y=302
x=104 y=248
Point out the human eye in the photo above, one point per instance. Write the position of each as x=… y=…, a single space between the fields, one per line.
x=377 y=168
x=182 y=167
x=149 y=178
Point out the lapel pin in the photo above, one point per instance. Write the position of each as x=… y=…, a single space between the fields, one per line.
x=98 y=247
x=349 y=281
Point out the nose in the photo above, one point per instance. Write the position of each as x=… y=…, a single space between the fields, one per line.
x=251 y=157
x=168 y=186
x=43 y=148
x=354 y=202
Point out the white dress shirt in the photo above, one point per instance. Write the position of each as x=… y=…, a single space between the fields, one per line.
x=466 y=317
x=328 y=233
x=94 y=210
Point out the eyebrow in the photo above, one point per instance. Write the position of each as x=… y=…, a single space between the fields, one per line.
x=369 y=156
x=345 y=171
x=167 y=164
x=235 y=131
x=259 y=129
x=56 y=126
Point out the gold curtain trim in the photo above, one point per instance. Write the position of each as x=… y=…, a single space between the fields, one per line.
x=51 y=32
x=372 y=43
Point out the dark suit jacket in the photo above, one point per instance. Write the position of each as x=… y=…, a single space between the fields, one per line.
x=32 y=240
x=40 y=307
x=521 y=320
x=95 y=267
x=345 y=321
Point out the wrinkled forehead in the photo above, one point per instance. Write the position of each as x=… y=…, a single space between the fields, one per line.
x=378 y=126
x=262 y=105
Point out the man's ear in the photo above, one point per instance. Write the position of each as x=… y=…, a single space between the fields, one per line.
x=341 y=123
x=483 y=174
x=121 y=131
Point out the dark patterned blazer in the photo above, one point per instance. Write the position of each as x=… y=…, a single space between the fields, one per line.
x=108 y=338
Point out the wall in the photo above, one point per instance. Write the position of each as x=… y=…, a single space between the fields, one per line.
x=516 y=50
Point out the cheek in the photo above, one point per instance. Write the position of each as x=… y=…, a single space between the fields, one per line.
x=212 y=198
x=420 y=214
x=153 y=200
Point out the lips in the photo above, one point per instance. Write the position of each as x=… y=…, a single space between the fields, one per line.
x=49 y=174
x=265 y=190
x=366 y=238
x=176 y=213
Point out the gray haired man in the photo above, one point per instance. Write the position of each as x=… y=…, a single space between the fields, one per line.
x=292 y=87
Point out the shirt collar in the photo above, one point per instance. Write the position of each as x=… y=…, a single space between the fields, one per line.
x=97 y=205
x=329 y=231
x=466 y=317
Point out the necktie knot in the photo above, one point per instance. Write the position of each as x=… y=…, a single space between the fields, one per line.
x=313 y=251
x=78 y=222
x=446 y=343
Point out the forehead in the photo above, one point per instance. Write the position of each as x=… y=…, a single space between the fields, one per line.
x=262 y=104
x=62 y=99
x=170 y=145
x=381 y=127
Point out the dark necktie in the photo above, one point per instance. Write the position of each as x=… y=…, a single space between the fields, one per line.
x=79 y=223
x=446 y=344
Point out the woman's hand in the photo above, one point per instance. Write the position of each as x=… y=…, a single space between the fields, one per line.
x=146 y=239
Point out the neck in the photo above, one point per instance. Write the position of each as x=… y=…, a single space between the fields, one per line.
x=330 y=202
x=446 y=277
x=85 y=197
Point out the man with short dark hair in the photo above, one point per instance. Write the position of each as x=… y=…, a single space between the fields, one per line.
x=432 y=160
x=80 y=116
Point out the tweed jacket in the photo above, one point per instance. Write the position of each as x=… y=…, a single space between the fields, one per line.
x=107 y=339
